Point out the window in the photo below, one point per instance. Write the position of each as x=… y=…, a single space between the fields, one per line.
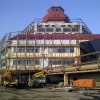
x=25 y=62
x=30 y=42
x=62 y=50
x=55 y=62
x=14 y=62
x=53 y=25
x=76 y=28
x=32 y=62
x=66 y=30
x=32 y=49
x=63 y=25
x=21 y=42
x=41 y=29
x=39 y=26
x=61 y=61
x=71 y=49
x=21 y=49
x=58 y=29
x=49 y=29
x=68 y=61
x=46 y=25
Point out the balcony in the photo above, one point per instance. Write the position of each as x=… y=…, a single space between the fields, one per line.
x=82 y=68
x=46 y=45
x=42 y=55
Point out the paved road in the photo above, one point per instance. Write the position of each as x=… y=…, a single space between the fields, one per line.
x=40 y=94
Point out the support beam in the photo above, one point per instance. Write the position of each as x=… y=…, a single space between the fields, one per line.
x=66 y=79
x=0 y=79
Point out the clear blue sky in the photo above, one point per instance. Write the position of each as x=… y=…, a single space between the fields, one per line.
x=16 y=14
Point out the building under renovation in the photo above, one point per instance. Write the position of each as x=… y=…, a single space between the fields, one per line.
x=54 y=43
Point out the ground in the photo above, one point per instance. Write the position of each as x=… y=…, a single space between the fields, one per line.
x=41 y=94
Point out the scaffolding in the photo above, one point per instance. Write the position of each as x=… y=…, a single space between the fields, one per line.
x=6 y=44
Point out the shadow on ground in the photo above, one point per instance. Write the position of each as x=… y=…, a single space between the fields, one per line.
x=91 y=98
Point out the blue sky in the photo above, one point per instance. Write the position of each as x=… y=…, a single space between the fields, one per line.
x=16 y=14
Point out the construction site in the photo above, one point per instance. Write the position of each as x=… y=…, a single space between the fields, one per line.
x=52 y=50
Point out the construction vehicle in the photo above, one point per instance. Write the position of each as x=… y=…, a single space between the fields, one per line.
x=38 y=79
x=14 y=79
x=9 y=79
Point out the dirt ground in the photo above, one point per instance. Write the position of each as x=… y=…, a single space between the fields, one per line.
x=41 y=94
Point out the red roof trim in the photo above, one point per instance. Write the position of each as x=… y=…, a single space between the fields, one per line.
x=57 y=36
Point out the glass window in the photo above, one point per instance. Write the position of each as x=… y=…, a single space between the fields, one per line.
x=63 y=25
x=68 y=61
x=41 y=29
x=37 y=62
x=21 y=42
x=66 y=30
x=14 y=62
x=58 y=29
x=71 y=50
x=55 y=62
x=49 y=29
x=39 y=26
x=25 y=62
x=46 y=25
x=30 y=42
x=62 y=50
x=53 y=25
x=34 y=49
x=75 y=28
x=61 y=61
x=21 y=49
x=15 y=49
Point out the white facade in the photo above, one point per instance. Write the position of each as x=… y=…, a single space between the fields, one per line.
x=32 y=54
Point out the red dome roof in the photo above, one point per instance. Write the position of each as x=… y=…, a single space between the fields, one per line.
x=56 y=14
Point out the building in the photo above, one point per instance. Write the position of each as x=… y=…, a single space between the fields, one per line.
x=52 y=44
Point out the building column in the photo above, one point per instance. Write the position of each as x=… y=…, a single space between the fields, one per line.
x=0 y=79
x=66 y=79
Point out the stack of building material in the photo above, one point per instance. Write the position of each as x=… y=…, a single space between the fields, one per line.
x=84 y=83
